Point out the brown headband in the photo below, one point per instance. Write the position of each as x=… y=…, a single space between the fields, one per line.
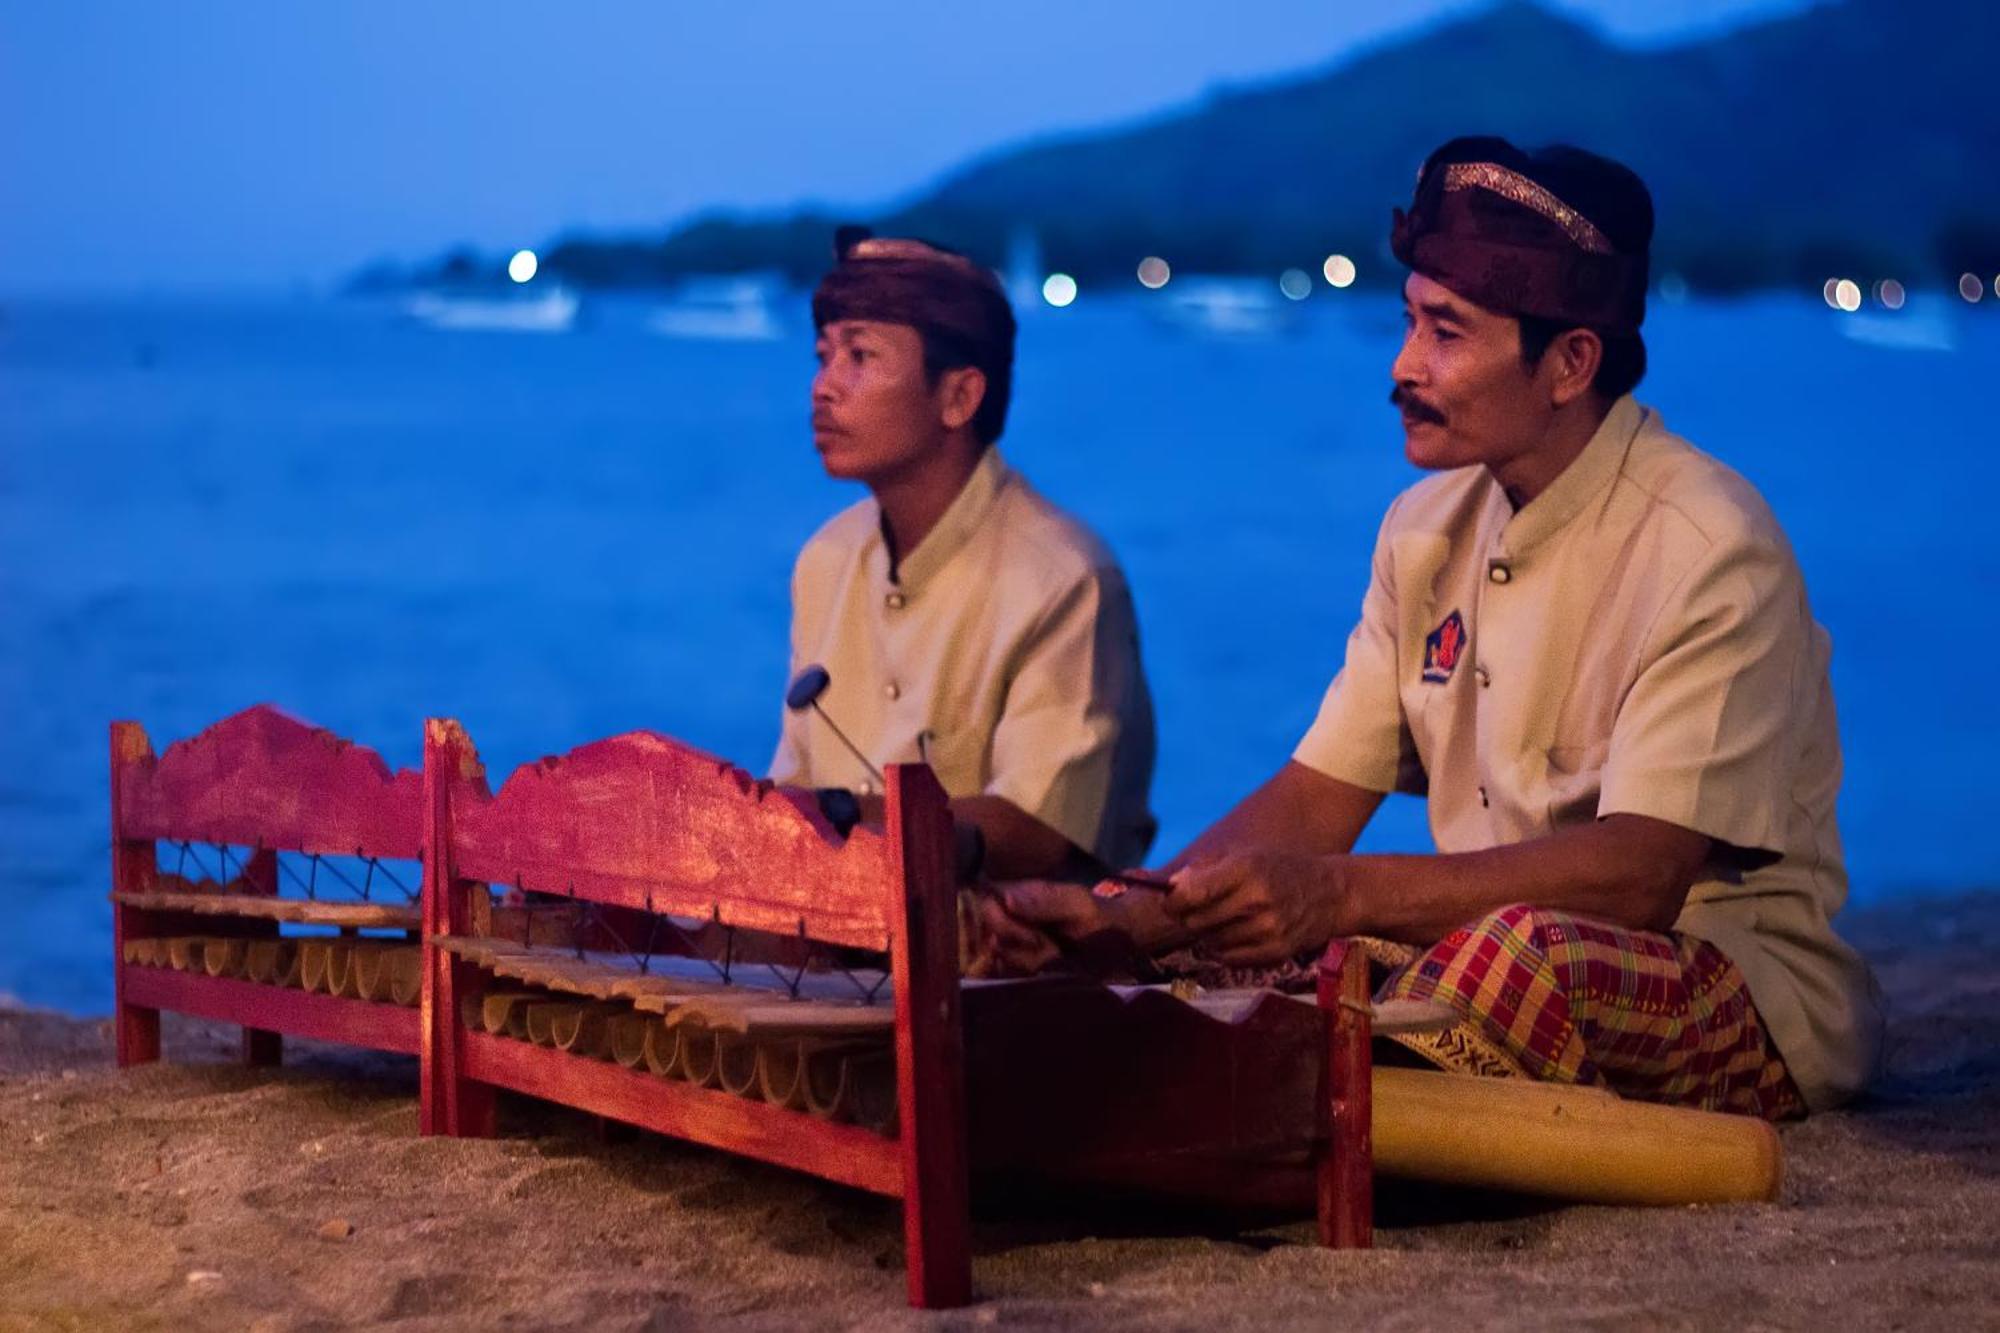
x=936 y=291
x=1507 y=243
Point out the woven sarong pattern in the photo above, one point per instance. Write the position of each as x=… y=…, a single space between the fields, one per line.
x=1563 y=998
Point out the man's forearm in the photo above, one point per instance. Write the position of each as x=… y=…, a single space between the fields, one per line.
x=1296 y=810
x=1626 y=869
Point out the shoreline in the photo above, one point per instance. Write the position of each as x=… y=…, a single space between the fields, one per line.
x=197 y=1191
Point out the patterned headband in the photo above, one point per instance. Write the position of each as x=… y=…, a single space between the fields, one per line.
x=1518 y=188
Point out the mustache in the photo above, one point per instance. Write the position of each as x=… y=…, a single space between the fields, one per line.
x=1415 y=407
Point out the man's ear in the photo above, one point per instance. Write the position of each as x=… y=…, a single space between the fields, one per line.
x=1571 y=363
x=960 y=391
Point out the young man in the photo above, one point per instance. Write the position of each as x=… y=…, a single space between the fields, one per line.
x=964 y=620
x=1588 y=645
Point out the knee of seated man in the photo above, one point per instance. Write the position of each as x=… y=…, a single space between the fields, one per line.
x=1521 y=927
x=1520 y=923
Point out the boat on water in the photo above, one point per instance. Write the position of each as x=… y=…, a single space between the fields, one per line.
x=552 y=309
x=1924 y=325
x=739 y=308
x=1224 y=307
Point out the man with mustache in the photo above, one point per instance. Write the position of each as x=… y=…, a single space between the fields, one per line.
x=965 y=621
x=1588 y=646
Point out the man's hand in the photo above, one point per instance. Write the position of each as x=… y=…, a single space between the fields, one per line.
x=1252 y=908
x=1008 y=945
x=1068 y=912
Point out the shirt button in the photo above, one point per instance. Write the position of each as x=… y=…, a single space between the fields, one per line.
x=892 y=691
x=894 y=601
x=1498 y=572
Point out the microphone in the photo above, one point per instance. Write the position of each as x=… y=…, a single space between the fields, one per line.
x=804 y=693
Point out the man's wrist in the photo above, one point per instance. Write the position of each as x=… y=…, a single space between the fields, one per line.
x=1339 y=913
x=1142 y=918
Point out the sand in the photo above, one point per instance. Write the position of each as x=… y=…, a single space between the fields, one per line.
x=196 y=1193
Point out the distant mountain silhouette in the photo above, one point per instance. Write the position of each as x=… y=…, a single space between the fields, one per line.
x=1858 y=138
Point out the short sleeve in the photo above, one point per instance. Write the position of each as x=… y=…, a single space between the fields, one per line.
x=1074 y=698
x=1707 y=736
x=1361 y=735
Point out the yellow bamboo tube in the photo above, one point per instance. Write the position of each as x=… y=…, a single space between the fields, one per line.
x=368 y=971
x=266 y=960
x=781 y=1072
x=406 y=976
x=289 y=964
x=736 y=1064
x=505 y=1013
x=628 y=1038
x=472 y=1012
x=872 y=1082
x=542 y=1021
x=223 y=957
x=340 y=967
x=1569 y=1143
x=853 y=1082
x=582 y=1031
x=697 y=1062
x=184 y=953
x=315 y=962
x=663 y=1048
x=824 y=1086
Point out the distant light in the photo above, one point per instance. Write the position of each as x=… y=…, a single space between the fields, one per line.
x=1153 y=272
x=1996 y=284
x=1059 y=289
x=523 y=265
x=1673 y=288
x=1295 y=283
x=1847 y=295
x=1339 y=271
x=1829 y=290
x=1890 y=293
x=1970 y=287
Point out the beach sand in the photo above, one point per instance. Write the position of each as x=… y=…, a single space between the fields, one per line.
x=196 y=1193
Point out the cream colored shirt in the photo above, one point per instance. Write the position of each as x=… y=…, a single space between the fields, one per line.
x=1634 y=640
x=1004 y=651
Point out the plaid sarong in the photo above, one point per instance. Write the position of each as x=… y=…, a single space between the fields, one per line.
x=1563 y=998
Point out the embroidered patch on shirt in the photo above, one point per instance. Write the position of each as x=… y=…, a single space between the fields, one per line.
x=1443 y=648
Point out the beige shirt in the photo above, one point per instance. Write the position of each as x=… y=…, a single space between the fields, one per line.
x=1005 y=651
x=1634 y=640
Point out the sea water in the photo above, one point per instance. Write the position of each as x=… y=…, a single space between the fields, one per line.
x=554 y=538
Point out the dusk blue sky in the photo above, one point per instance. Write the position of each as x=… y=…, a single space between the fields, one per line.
x=234 y=142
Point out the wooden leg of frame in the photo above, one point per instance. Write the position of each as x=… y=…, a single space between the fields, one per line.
x=136 y=1033
x=262 y=1048
x=468 y=1110
x=930 y=1046
x=1347 y=1167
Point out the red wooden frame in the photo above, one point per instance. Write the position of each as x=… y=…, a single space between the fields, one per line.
x=1068 y=1078
x=265 y=780
x=1062 y=1078
x=642 y=822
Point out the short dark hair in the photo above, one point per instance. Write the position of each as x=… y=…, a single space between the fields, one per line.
x=1623 y=366
x=1613 y=197
x=943 y=352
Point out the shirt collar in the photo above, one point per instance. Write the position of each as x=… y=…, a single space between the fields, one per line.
x=962 y=518
x=1586 y=477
